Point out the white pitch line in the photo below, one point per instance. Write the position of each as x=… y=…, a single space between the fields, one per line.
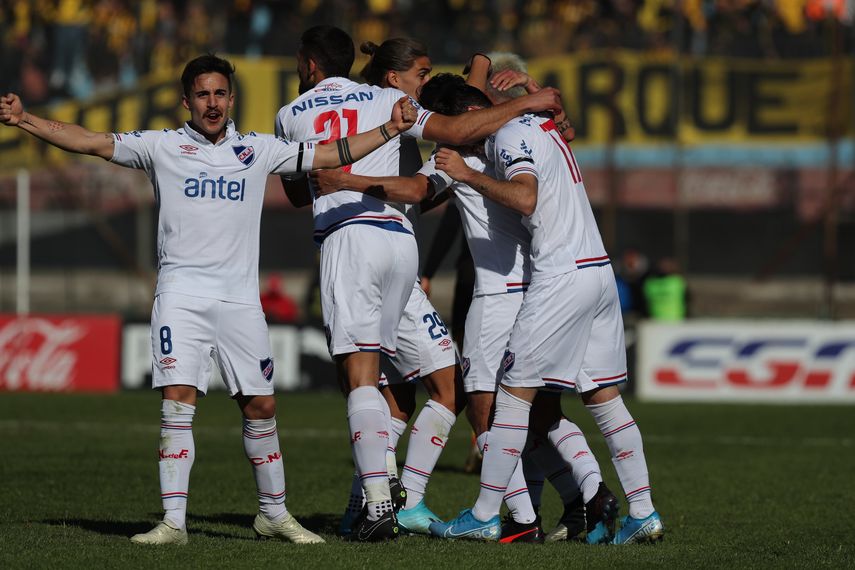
x=332 y=433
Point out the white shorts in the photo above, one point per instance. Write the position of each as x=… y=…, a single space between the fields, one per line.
x=424 y=343
x=569 y=333
x=188 y=332
x=489 y=323
x=367 y=274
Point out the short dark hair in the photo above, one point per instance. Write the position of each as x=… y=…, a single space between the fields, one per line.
x=449 y=94
x=208 y=63
x=331 y=48
x=396 y=54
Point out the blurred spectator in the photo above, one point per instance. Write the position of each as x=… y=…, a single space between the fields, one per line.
x=633 y=269
x=277 y=305
x=666 y=292
x=70 y=20
x=81 y=46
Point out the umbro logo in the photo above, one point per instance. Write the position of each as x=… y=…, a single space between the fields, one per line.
x=188 y=149
x=168 y=362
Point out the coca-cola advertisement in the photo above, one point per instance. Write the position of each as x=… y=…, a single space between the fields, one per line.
x=46 y=353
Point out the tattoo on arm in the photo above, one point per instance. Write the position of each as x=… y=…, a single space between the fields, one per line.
x=344 y=151
x=386 y=136
x=54 y=126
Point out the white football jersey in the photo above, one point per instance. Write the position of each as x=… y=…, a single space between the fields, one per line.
x=564 y=233
x=497 y=239
x=210 y=198
x=338 y=107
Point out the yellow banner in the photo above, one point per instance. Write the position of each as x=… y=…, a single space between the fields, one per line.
x=622 y=97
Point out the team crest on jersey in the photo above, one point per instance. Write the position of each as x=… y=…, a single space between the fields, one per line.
x=267 y=368
x=508 y=360
x=464 y=366
x=245 y=154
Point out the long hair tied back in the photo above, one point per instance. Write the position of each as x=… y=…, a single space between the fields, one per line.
x=396 y=54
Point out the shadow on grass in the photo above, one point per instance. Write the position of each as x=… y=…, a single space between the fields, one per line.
x=324 y=523
x=127 y=529
x=105 y=527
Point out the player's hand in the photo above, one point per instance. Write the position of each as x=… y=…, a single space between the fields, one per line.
x=404 y=114
x=11 y=109
x=450 y=162
x=327 y=181
x=509 y=78
x=424 y=281
x=547 y=99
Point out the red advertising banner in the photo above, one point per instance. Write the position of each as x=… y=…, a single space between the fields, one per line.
x=43 y=353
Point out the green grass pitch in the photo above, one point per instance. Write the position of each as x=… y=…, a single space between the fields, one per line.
x=737 y=486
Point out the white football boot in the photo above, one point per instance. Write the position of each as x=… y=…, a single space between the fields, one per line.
x=163 y=533
x=286 y=529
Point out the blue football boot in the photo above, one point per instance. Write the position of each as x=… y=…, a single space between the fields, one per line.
x=468 y=527
x=633 y=531
x=417 y=520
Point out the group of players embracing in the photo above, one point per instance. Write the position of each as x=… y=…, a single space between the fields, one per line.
x=544 y=317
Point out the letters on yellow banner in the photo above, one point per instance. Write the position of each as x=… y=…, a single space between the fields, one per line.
x=621 y=97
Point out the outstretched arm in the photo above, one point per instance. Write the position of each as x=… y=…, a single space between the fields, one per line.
x=473 y=126
x=519 y=194
x=350 y=149
x=402 y=189
x=72 y=138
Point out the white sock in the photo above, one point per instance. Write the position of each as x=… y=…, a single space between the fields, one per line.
x=261 y=444
x=534 y=475
x=177 y=452
x=568 y=439
x=501 y=453
x=517 y=497
x=369 y=435
x=550 y=462
x=398 y=427
x=624 y=440
x=427 y=440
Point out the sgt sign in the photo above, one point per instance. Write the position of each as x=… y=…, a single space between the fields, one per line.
x=747 y=361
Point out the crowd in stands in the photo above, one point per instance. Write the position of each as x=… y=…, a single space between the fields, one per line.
x=59 y=48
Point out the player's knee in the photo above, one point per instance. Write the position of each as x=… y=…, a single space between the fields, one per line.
x=258 y=407
x=600 y=395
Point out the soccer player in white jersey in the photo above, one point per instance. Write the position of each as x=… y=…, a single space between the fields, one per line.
x=425 y=351
x=500 y=249
x=209 y=183
x=363 y=295
x=568 y=333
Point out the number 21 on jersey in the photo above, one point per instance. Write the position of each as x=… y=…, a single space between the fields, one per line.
x=333 y=119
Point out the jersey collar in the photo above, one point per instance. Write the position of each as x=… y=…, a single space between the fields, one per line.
x=200 y=138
